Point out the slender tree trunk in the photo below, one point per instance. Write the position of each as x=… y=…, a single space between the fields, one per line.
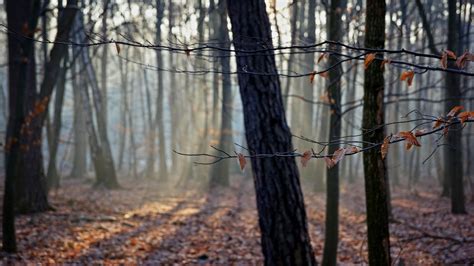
x=453 y=153
x=160 y=96
x=332 y=183
x=79 y=168
x=220 y=173
x=282 y=216
x=373 y=116
x=53 y=175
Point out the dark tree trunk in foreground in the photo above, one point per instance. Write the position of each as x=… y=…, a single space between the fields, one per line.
x=373 y=116
x=282 y=215
x=332 y=182
x=453 y=152
x=24 y=167
x=20 y=67
x=220 y=172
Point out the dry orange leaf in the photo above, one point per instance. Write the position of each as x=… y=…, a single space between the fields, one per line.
x=384 y=148
x=338 y=155
x=311 y=77
x=444 y=60
x=463 y=116
x=329 y=162
x=352 y=150
x=408 y=76
x=322 y=56
x=450 y=53
x=368 y=59
x=305 y=158
x=438 y=122
x=117 y=47
x=410 y=139
x=461 y=61
x=385 y=61
x=455 y=111
x=324 y=74
x=242 y=161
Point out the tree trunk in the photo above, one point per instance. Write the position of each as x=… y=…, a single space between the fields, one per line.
x=332 y=182
x=453 y=153
x=280 y=204
x=373 y=116
x=220 y=172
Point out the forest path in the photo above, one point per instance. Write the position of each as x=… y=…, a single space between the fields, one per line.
x=149 y=223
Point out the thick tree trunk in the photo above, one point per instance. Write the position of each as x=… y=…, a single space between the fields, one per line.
x=282 y=215
x=30 y=181
x=453 y=153
x=332 y=183
x=373 y=116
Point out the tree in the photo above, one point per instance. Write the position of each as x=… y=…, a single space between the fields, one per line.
x=453 y=169
x=373 y=118
x=332 y=182
x=220 y=172
x=23 y=160
x=280 y=204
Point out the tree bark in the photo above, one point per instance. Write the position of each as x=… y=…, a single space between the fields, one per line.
x=373 y=116
x=332 y=182
x=280 y=204
x=453 y=153
x=220 y=172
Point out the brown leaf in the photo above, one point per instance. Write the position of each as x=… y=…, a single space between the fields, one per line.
x=444 y=60
x=324 y=74
x=242 y=161
x=384 y=147
x=385 y=61
x=408 y=76
x=438 y=122
x=305 y=158
x=368 y=60
x=322 y=56
x=329 y=162
x=338 y=155
x=117 y=47
x=455 y=110
x=461 y=61
x=352 y=150
x=464 y=116
x=450 y=53
x=311 y=77
x=410 y=138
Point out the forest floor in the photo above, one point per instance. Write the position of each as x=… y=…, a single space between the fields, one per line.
x=144 y=223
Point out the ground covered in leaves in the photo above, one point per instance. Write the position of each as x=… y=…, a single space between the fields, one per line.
x=146 y=223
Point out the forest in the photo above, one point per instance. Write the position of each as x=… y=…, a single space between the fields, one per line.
x=236 y=132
